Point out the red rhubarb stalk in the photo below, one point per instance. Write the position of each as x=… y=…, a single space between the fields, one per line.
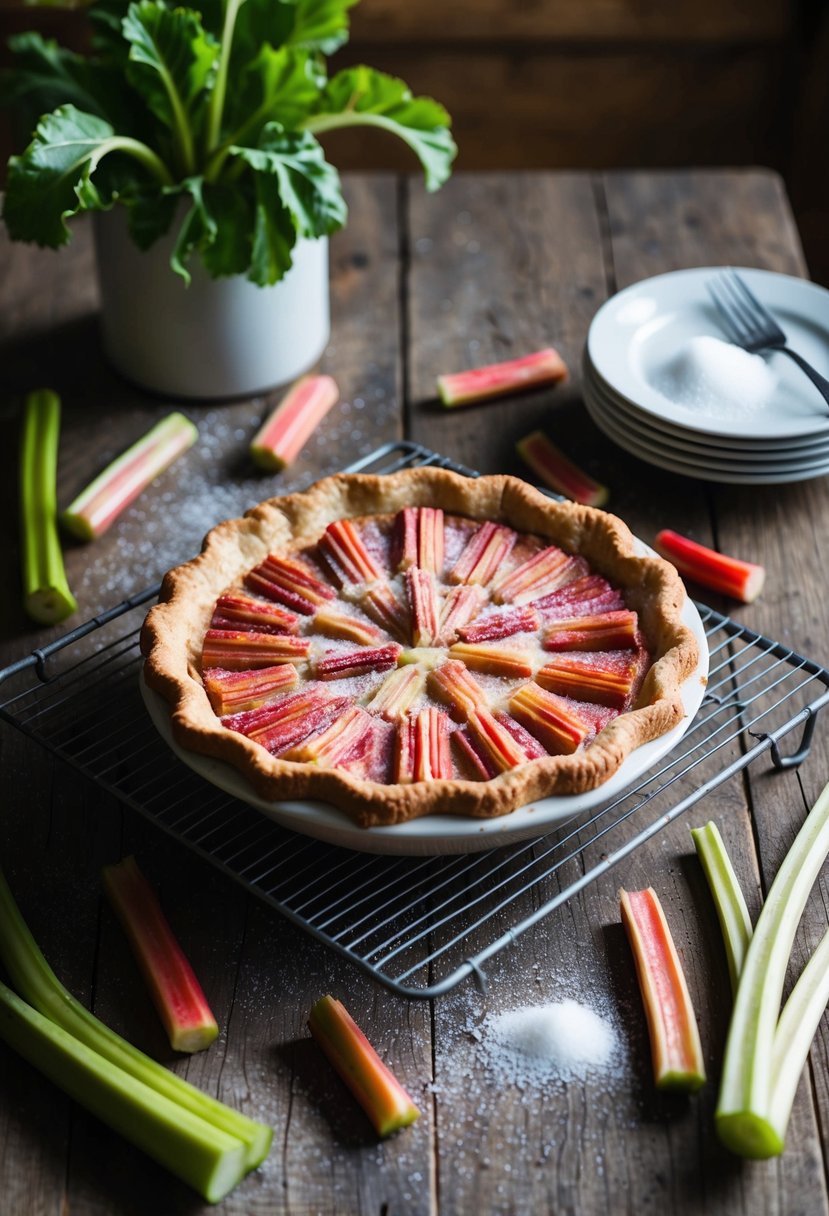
x=372 y=1083
x=497 y=379
x=176 y=992
x=675 y=1042
x=728 y=575
x=558 y=472
x=286 y=431
x=121 y=482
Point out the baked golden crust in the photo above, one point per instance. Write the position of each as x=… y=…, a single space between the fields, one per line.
x=174 y=630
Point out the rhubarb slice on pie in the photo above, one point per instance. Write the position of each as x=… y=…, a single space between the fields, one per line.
x=420 y=643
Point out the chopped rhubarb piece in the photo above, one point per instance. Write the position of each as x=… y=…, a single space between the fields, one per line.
x=601 y=678
x=286 y=723
x=106 y=497
x=393 y=698
x=530 y=745
x=259 y=616
x=290 y=583
x=537 y=576
x=339 y=665
x=485 y=552
x=345 y=553
x=585 y=587
x=558 y=472
x=422 y=752
x=729 y=576
x=418 y=539
x=232 y=691
x=501 y=625
x=285 y=432
x=452 y=684
x=460 y=606
x=499 y=748
x=675 y=1043
x=380 y=603
x=605 y=631
x=375 y=1087
x=611 y=601
x=473 y=763
x=350 y=628
x=237 y=651
x=510 y=664
x=176 y=993
x=497 y=379
x=551 y=720
x=423 y=603
x=344 y=738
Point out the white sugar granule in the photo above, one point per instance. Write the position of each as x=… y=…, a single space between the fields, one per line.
x=717 y=378
x=567 y=1040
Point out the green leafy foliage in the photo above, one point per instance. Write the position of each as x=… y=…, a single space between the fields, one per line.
x=203 y=125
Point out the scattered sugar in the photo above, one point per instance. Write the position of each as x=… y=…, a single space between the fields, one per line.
x=566 y=1040
x=716 y=378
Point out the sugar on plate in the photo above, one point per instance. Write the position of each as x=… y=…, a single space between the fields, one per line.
x=713 y=377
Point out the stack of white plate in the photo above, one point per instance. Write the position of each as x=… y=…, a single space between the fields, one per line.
x=634 y=342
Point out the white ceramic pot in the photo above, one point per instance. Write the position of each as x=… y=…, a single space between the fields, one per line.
x=216 y=337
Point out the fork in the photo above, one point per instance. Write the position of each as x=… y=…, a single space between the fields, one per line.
x=752 y=326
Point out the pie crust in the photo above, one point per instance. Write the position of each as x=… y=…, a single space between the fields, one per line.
x=175 y=628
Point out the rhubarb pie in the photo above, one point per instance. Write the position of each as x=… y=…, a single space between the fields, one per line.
x=420 y=643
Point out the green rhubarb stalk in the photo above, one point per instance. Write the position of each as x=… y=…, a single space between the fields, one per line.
x=103 y=500
x=732 y=912
x=210 y=1160
x=176 y=993
x=46 y=595
x=749 y=1120
x=796 y=1029
x=375 y=1087
x=34 y=979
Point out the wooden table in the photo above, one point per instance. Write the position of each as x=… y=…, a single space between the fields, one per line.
x=493 y=266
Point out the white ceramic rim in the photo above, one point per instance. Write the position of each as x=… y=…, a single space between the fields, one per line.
x=610 y=345
x=445 y=834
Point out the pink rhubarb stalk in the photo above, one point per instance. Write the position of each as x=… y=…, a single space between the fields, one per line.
x=372 y=1083
x=558 y=472
x=497 y=379
x=728 y=575
x=284 y=434
x=112 y=491
x=176 y=992
x=675 y=1042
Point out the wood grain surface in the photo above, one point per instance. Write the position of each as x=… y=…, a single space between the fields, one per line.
x=492 y=266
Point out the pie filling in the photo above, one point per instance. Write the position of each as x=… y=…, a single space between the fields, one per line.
x=421 y=646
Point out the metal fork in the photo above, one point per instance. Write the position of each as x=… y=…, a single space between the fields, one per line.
x=752 y=326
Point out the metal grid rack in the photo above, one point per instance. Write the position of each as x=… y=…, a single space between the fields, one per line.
x=418 y=925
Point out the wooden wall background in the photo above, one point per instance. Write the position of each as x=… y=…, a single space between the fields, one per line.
x=606 y=83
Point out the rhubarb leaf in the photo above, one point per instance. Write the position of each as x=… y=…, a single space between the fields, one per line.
x=276 y=86
x=314 y=25
x=362 y=96
x=51 y=75
x=308 y=186
x=274 y=234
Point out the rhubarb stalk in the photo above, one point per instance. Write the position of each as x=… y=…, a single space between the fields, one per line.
x=755 y=1096
x=558 y=472
x=729 y=902
x=375 y=1087
x=729 y=576
x=121 y=482
x=35 y=981
x=497 y=379
x=285 y=432
x=675 y=1042
x=177 y=994
x=46 y=595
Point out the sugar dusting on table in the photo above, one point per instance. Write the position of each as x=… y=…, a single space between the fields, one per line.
x=716 y=379
x=564 y=1040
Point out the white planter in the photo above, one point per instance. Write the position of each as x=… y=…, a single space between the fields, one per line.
x=216 y=337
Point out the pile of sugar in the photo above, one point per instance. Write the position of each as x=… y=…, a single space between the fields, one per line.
x=566 y=1041
x=713 y=377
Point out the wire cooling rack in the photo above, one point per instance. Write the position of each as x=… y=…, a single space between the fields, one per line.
x=418 y=925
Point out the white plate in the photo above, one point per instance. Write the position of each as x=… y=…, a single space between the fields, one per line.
x=727 y=459
x=744 y=446
x=444 y=834
x=634 y=336
x=702 y=471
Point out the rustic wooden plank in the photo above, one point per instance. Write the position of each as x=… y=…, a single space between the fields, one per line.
x=562 y=107
x=557 y=21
